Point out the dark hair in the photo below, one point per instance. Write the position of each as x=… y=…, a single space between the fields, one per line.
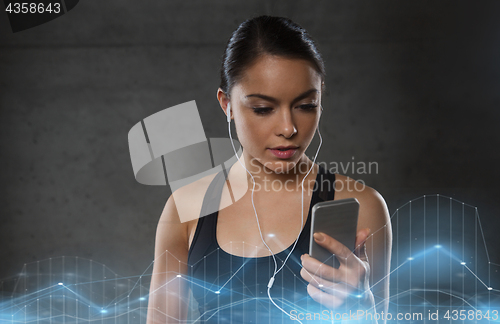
x=266 y=35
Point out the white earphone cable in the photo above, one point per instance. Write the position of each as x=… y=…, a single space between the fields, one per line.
x=276 y=270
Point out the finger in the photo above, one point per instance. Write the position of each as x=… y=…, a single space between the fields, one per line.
x=314 y=279
x=361 y=238
x=350 y=277
x=340 y=290
x=319 y=269
x=342 y=253
x=351 y=300
x=325 y=299
x=326 y=285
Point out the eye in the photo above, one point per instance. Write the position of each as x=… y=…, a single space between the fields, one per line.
x=308 y=107
x=262 y=110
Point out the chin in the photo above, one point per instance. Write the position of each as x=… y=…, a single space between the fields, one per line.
x=280 y=167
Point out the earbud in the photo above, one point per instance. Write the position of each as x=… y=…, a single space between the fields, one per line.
x=228 y=112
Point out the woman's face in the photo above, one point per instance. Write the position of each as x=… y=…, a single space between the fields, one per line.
x=276 y=109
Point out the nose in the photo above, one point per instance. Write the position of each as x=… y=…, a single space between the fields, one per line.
x=286 y=126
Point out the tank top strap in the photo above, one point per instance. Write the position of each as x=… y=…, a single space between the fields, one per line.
x=213 y=195
x=324 y=190
x=325 y=186
x=206 y=228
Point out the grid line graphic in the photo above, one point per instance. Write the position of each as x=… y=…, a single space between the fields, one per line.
x=440 y=267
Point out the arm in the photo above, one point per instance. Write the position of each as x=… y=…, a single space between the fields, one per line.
x=367 y=269
x=168 y=294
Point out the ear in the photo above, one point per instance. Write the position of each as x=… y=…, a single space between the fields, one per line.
x=223 y=100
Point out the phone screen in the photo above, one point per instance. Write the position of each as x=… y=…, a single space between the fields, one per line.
x=338 y=219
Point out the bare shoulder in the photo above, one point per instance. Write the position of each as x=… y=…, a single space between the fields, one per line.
x=189 y=198
x=180 y=215
x=373 y=212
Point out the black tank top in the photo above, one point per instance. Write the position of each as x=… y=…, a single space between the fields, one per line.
x=233 y=289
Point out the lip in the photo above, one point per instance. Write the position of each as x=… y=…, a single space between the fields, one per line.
x=284 y=147
x=284 y=152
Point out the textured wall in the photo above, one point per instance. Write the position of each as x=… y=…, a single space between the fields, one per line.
x=412 y=85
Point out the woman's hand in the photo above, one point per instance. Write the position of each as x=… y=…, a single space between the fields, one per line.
x=348 y=286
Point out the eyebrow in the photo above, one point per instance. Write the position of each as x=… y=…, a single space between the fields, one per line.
x=274 y=100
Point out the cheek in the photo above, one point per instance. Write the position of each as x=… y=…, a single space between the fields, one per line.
x=252 y=131
x=307 y=125
x=245 y=134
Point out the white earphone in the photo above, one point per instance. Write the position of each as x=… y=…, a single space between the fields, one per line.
x=276 y=270
x=228 y=112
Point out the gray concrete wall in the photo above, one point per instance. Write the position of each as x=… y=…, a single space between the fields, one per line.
x=412 y=85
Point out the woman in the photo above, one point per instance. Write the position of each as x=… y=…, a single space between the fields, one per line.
x=272 y=77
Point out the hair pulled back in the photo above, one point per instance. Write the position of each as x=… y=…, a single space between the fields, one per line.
x=266 y=35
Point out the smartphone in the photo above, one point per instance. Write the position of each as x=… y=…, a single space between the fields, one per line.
x=338 y=219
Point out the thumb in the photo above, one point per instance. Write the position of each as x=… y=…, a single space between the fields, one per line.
x=361 y=238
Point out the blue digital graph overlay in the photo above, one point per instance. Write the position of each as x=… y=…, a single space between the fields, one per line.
x=440 y=266
x=72 y=290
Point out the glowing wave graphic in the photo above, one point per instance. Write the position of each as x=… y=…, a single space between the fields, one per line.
x=440 y=267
